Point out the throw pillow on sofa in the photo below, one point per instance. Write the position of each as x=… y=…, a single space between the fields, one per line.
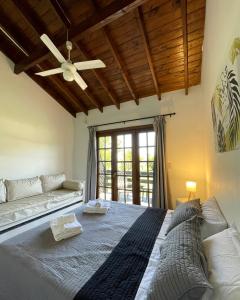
x=2 y=191
x=52 y=182
x=21 y=188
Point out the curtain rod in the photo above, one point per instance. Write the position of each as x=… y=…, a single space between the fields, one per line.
x=165 y=115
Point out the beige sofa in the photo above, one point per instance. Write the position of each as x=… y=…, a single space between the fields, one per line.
x=26 y=199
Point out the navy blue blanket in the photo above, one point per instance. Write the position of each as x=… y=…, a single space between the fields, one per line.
x=120 y=275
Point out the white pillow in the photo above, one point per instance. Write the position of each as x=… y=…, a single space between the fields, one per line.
x=213 y=219
x=21 y=188
x=2 y=191
x=52 y=182
x=223 y=259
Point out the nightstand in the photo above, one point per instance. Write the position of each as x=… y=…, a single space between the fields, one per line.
x=181 y=200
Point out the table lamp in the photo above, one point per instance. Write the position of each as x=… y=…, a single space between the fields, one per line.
x=191 y=187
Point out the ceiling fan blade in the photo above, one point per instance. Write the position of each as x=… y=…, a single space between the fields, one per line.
x=50 y=72
x=46 y=40
x=80 y=81
x=89 y=64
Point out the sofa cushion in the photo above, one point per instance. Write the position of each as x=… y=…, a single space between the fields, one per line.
x=52 y=182
x=75 y=185
x=17 y=189
x=2 y=191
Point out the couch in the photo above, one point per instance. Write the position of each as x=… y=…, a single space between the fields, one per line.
x=25 y=199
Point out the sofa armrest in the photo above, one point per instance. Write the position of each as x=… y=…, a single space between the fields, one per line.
x=75 y=185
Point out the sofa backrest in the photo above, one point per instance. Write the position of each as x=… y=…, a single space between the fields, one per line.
x=2 y=191
x=21 y=188
x=52 y=182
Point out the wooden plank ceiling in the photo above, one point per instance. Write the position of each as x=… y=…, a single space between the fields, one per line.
x=149 y=46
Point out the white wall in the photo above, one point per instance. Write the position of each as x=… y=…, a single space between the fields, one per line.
x=222 y=170
x=36 y=133
x=184 y=135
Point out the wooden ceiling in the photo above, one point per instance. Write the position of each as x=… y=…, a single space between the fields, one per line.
x=149 y=46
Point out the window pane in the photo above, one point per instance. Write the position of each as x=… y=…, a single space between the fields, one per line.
x=120 y=155
x=108 y=167
x=120 y=182
x=150 y=168
x=128 y=140
x=142 y=139
x=151 y=138
x=101 y=155
x=108 y=181
x=129 y=197
x=108 y=155
x=128 y=183
x=150 y=199
x=143 y=154
x=143 y=183
x=102 y=193
x=101 y=167
x=108 y=194
x=144 y=198
x=151 y=153
x=108 y=142
x=143 y=169
x=150 y=180
x=120 y=143
x=128 y=154
x=121 y=197
x=120 y=168
x=128 y=169
x=101 y=142
x=101 y=180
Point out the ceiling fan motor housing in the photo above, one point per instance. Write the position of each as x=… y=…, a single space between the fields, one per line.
x=68 y=69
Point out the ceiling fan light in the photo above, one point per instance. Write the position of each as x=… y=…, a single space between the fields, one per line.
x=68 y=76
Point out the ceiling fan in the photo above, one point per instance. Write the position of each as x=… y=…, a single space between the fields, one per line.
x=68 y=68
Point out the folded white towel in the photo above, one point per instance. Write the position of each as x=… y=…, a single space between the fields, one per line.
x=99 y=203
x=95 y=210
x=65 y=226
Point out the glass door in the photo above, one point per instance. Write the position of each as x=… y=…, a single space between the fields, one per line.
x=104 y=167
x=125 y=165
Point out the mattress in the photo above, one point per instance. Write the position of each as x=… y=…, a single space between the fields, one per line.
x=40 y=268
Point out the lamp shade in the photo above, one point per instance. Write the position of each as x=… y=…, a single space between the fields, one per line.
x=191 y=186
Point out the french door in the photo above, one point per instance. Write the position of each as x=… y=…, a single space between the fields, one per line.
x=125 y=165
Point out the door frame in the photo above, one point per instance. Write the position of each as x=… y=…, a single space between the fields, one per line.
x=135 y=155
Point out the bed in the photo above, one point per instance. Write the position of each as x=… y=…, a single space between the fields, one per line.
x=39 y=268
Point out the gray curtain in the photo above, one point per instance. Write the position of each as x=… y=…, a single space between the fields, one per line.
x=160 y=196
x=91 y=181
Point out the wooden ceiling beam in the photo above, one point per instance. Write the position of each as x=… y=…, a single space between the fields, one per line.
x=176 y=3
x=143 y=32
x=185 y=43
x=59 y=10
x=120 y=63
x=99 y=76
x=30 y=16
x=91 y=97
x=98 y=20
x=14 y=35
